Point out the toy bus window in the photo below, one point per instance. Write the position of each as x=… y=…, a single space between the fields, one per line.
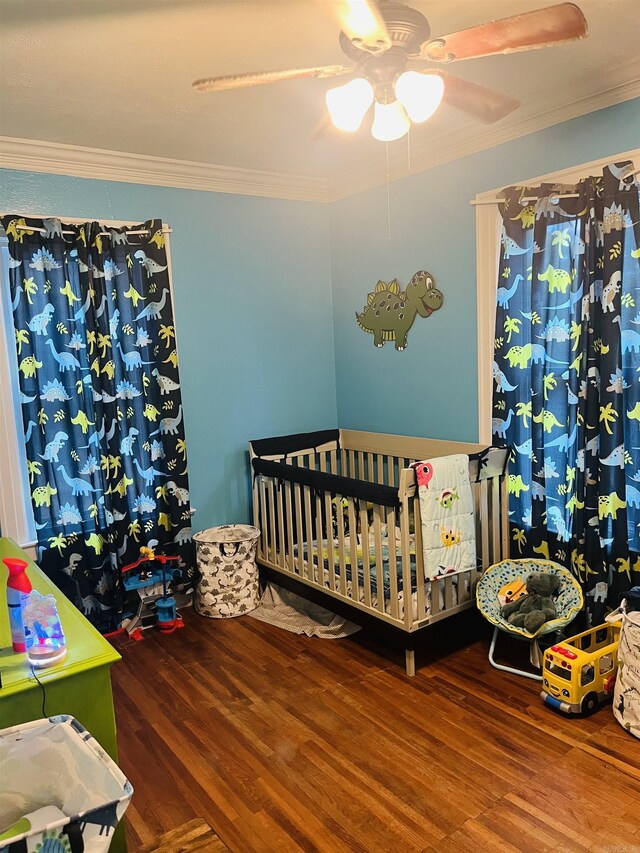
x=602 y=634
x=560 y=670
x=606 y=664
x=587 y=674
x=585 y=641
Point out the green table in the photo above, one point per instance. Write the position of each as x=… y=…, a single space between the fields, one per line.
x=80 y=685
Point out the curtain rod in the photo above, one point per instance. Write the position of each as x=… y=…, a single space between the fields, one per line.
x=76 y=221
x=553 y=198
x=100 y=233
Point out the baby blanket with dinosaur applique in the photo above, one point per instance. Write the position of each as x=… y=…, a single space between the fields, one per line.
x=446 y=507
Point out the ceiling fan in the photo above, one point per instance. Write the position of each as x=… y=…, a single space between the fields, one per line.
x=396 y=64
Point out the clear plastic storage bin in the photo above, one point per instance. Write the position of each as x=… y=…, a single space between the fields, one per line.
x=60 y=792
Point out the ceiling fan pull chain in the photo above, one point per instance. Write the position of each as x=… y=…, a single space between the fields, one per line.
x=386 y=145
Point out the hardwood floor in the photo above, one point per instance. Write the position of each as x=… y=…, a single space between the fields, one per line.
x=194 y=835
x=286 y=743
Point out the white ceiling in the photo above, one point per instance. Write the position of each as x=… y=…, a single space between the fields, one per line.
x=116 y=74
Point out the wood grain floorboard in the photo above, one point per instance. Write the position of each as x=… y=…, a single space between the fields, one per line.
x=195 y=835
x=288 y=743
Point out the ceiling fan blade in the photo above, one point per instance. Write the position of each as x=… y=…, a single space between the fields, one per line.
x=363 y=24
x=260 y=78
x=541 y=28
x=477 y=101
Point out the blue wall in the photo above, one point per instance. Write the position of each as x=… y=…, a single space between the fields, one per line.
x=252 y=299
x=430 y=389
x=255 y=280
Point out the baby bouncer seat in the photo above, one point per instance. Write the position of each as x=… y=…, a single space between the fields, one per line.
x=493 y=591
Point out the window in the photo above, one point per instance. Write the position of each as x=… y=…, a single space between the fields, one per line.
x=556 y=669
x=488 y=231
x=605 y=664
x=16 y=515
x=587 y=674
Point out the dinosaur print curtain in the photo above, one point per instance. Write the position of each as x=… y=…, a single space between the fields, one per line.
x=102 y=412
x=567 y=377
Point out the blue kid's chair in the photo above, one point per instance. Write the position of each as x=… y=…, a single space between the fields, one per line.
x=568 y=603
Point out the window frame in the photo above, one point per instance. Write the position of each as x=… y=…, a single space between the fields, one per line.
x=15 y=497
x=488 y=230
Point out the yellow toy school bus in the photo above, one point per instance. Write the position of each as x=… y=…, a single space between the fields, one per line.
x=579 y=673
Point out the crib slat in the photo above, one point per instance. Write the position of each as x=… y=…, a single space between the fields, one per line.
x=406 y=564
x=353 y=550
x=448 y=592
x=368 y=470
x=437 y=595
x=330 y=544
x=361 y=469
x=281 y=548
x=300 y=537
x=318 y=542
x=504 y=519
x=393 y=562
x=484 y=521
x=341 y=547
x=290 y=561
x=421 y=569
x=306 y=491
x=272 y=521
x=255 y=496
x=378 y=520
x=475 y=491
x=366 y=564
x=264 y=519
x=495 y=520
x=353 y=461
x=391 y=478
x=333 y=462
x=464 y=586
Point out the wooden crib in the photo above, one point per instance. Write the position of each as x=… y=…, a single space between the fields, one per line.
x=326 y=501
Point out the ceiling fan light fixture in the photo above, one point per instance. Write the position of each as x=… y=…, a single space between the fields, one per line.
x=348 y=104
x=390 y=122
x=419 y=94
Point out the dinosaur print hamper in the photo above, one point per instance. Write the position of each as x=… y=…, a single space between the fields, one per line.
x=229 y=583
x=626 y=697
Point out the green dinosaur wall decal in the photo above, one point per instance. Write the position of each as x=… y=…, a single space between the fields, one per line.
x=390 y=312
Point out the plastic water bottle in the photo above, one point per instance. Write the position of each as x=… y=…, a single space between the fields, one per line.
x=18 y=589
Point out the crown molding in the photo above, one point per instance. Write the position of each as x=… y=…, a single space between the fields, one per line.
x=30 y=155
x=61 y=159
x=446 y=148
